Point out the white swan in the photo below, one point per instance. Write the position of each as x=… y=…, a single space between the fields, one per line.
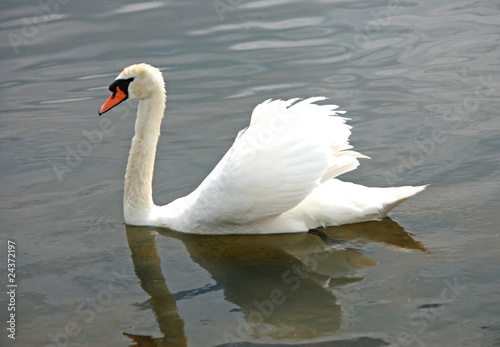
x=278 y=176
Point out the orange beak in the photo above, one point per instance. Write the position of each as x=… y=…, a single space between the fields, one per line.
x=115 y=98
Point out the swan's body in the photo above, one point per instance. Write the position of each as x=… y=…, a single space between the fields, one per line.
x=278 y=176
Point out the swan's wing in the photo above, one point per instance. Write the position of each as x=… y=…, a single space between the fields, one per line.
x=288 y=150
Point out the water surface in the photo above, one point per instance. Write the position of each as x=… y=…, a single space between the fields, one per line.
x=420 y=83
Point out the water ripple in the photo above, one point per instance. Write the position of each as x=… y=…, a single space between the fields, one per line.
x=274 y=25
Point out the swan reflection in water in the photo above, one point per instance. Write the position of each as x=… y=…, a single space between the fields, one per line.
x=283 y=283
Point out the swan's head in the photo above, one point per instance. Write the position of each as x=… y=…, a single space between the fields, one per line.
x=139 y=81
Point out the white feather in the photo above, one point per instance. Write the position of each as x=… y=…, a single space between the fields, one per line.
x=277 y=175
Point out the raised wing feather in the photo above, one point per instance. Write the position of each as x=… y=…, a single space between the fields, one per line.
x=288 y=150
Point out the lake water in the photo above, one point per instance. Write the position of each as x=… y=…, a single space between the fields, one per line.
x=420 y=81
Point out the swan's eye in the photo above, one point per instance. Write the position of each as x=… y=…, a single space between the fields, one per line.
x=122 y=84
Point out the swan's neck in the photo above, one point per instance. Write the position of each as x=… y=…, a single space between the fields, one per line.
x=138 y=193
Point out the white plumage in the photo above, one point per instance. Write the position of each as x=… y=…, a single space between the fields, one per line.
x=277 y=177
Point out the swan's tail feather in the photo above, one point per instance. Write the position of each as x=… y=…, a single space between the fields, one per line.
x=336 y=203
x=382 y=200
x=401 y=194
